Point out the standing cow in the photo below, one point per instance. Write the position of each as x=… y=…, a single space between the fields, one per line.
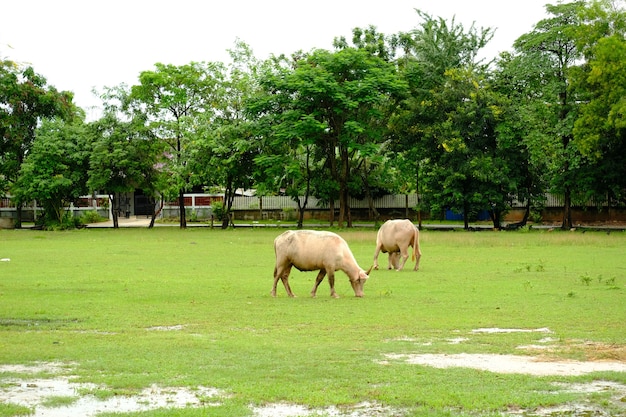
x=310 y=250
x=395 y=237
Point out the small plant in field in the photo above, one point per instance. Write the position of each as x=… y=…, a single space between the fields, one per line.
x=14 y=410
x=385 y=293
x=59 y=401
x=585 y=279
x=571 y=294
x=528 y=286
x=99 y=393
x=529 y=268
x=541 y=267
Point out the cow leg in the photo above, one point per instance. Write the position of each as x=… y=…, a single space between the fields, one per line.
x=393 y=260
x=404 y=254
x=276 y=277
x=318 y=280
x=282 y=273
x=331 y=281
x=418 y=255
x=376 y=256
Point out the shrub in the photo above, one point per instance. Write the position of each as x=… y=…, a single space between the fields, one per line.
x=92 y=216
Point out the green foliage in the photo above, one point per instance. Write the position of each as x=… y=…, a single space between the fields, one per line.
x=217 y=207
x=59 y=401
x=328 y=117
x=25 y=101
x=55 y=171
x=173 y=101
x=412 y=111
x=13 y=410
x=91 y=216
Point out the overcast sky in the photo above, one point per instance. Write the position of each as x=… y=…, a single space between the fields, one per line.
x=80 y=45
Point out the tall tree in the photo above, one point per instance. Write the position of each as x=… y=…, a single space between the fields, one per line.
x=553 y=40
x=337 y=101
x=124 y=157
x=174 y=98
x=25 y=100
x=225 y=145
x=526 y=126
x=600 y=130
x=54 y=171
x=440 y=124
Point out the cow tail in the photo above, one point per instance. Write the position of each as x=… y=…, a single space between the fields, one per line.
x=415 y=243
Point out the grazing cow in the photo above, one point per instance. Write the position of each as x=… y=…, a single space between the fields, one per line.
x=310 y=250
x=395 y=237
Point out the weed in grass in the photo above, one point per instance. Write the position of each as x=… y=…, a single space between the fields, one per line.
x=14 y=410
x=58 y=401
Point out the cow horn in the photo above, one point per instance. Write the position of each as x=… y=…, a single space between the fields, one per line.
x=369 y=270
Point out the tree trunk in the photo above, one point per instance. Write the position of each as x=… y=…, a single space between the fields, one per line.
x=18 y=221
x=229 y=195
x=155 y=214
x=344 y=204
x=567 y=209
x=114 y=210
x=181 y=209
x=496 y=218
x=373 y=213
x=466 y=215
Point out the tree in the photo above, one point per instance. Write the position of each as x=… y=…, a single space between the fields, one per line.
x=553 y=40
x=449 y=121
x=600 y=130
x=55 y=170
x=335 y=100
x=225 y=146
x=287 y=143
x=173 y=99
x=25 y=100
x=529 y=123
x=124 y=156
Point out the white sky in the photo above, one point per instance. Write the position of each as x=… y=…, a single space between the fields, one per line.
x=79 y=45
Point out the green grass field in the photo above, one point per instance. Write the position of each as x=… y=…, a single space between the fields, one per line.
x=129 y=309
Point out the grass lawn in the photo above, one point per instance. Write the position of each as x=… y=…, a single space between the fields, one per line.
x=130 y=309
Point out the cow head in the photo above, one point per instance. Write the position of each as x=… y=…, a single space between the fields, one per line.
x=357 y=285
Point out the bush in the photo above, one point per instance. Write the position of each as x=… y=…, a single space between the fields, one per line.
x=69 y=221
x=218 y=210
x=92 y=216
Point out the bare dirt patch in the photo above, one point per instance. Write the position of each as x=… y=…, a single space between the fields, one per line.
x=545 y=359
x=493 y=330
x=365 y=409
x=33 y=393
x=506 y=364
